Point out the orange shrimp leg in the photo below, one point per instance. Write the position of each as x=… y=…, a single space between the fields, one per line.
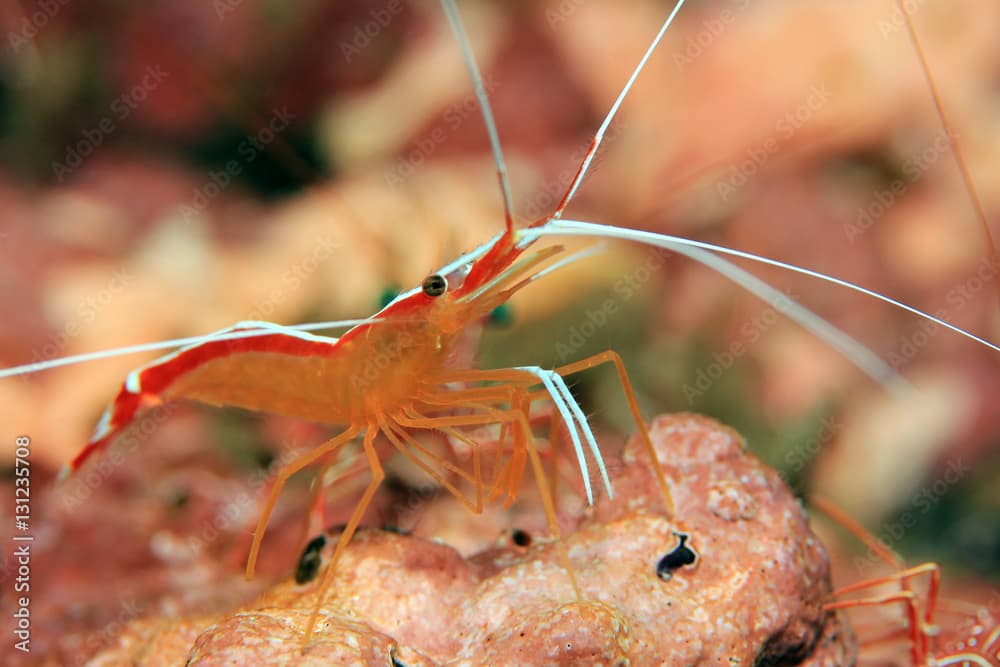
x=316 y=521
x=279 y=483
x=610 y=356
x=499 y=474
x=414 y=419
x=473 y=446
x=513 y=394
x=909 y=599
x=523 y=444
x=921 y=625
x=565 y=403
x=414 y=416
x=404 y=442
x=956 y=146
x=513 y=470
x=352 y=525
x=555 y=437
x=543 y=488
x=393 y=427
x=477 y=397
x=875 y=545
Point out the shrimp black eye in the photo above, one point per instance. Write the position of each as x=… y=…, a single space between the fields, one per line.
x=434 y=285
x=680 y=556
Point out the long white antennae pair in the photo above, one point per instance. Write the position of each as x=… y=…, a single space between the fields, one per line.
x=857 y=353
x=702 y=252
x=491 y=129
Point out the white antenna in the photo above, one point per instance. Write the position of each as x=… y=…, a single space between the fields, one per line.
x=262 y=329
x=484 y=105
x=700 y=251
x=599 y=136
x=633 y=235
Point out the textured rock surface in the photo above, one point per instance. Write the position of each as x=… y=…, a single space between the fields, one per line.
x=754 y=596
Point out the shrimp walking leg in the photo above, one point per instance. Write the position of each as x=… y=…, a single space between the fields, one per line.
x=610 y=356
x=921 y=624
x=566 y=405
x=316 y=520
x=404 y=442
x=525 y=451
x=485 y=399
x=352 y=525
x=474 y=447
x=523 y=444
x=279 y=483
x=922 y=631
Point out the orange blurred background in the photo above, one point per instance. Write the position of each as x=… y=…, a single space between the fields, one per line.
x=171 y=168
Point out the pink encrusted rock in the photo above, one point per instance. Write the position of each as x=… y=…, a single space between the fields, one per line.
x=752 y=596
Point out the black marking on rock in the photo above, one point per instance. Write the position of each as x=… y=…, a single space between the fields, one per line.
x=680 y=556
x=520 y=538
x=310 y=560
x=395 y=661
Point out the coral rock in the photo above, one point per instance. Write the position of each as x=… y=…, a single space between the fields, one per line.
x=744 y=587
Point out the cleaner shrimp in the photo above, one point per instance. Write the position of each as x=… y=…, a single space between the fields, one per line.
x=573 y=19
x=916 y=592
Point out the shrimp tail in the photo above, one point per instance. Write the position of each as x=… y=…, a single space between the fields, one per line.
x=116 y=417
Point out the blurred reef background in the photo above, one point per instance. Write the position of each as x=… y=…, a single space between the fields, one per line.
x=170 y=168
